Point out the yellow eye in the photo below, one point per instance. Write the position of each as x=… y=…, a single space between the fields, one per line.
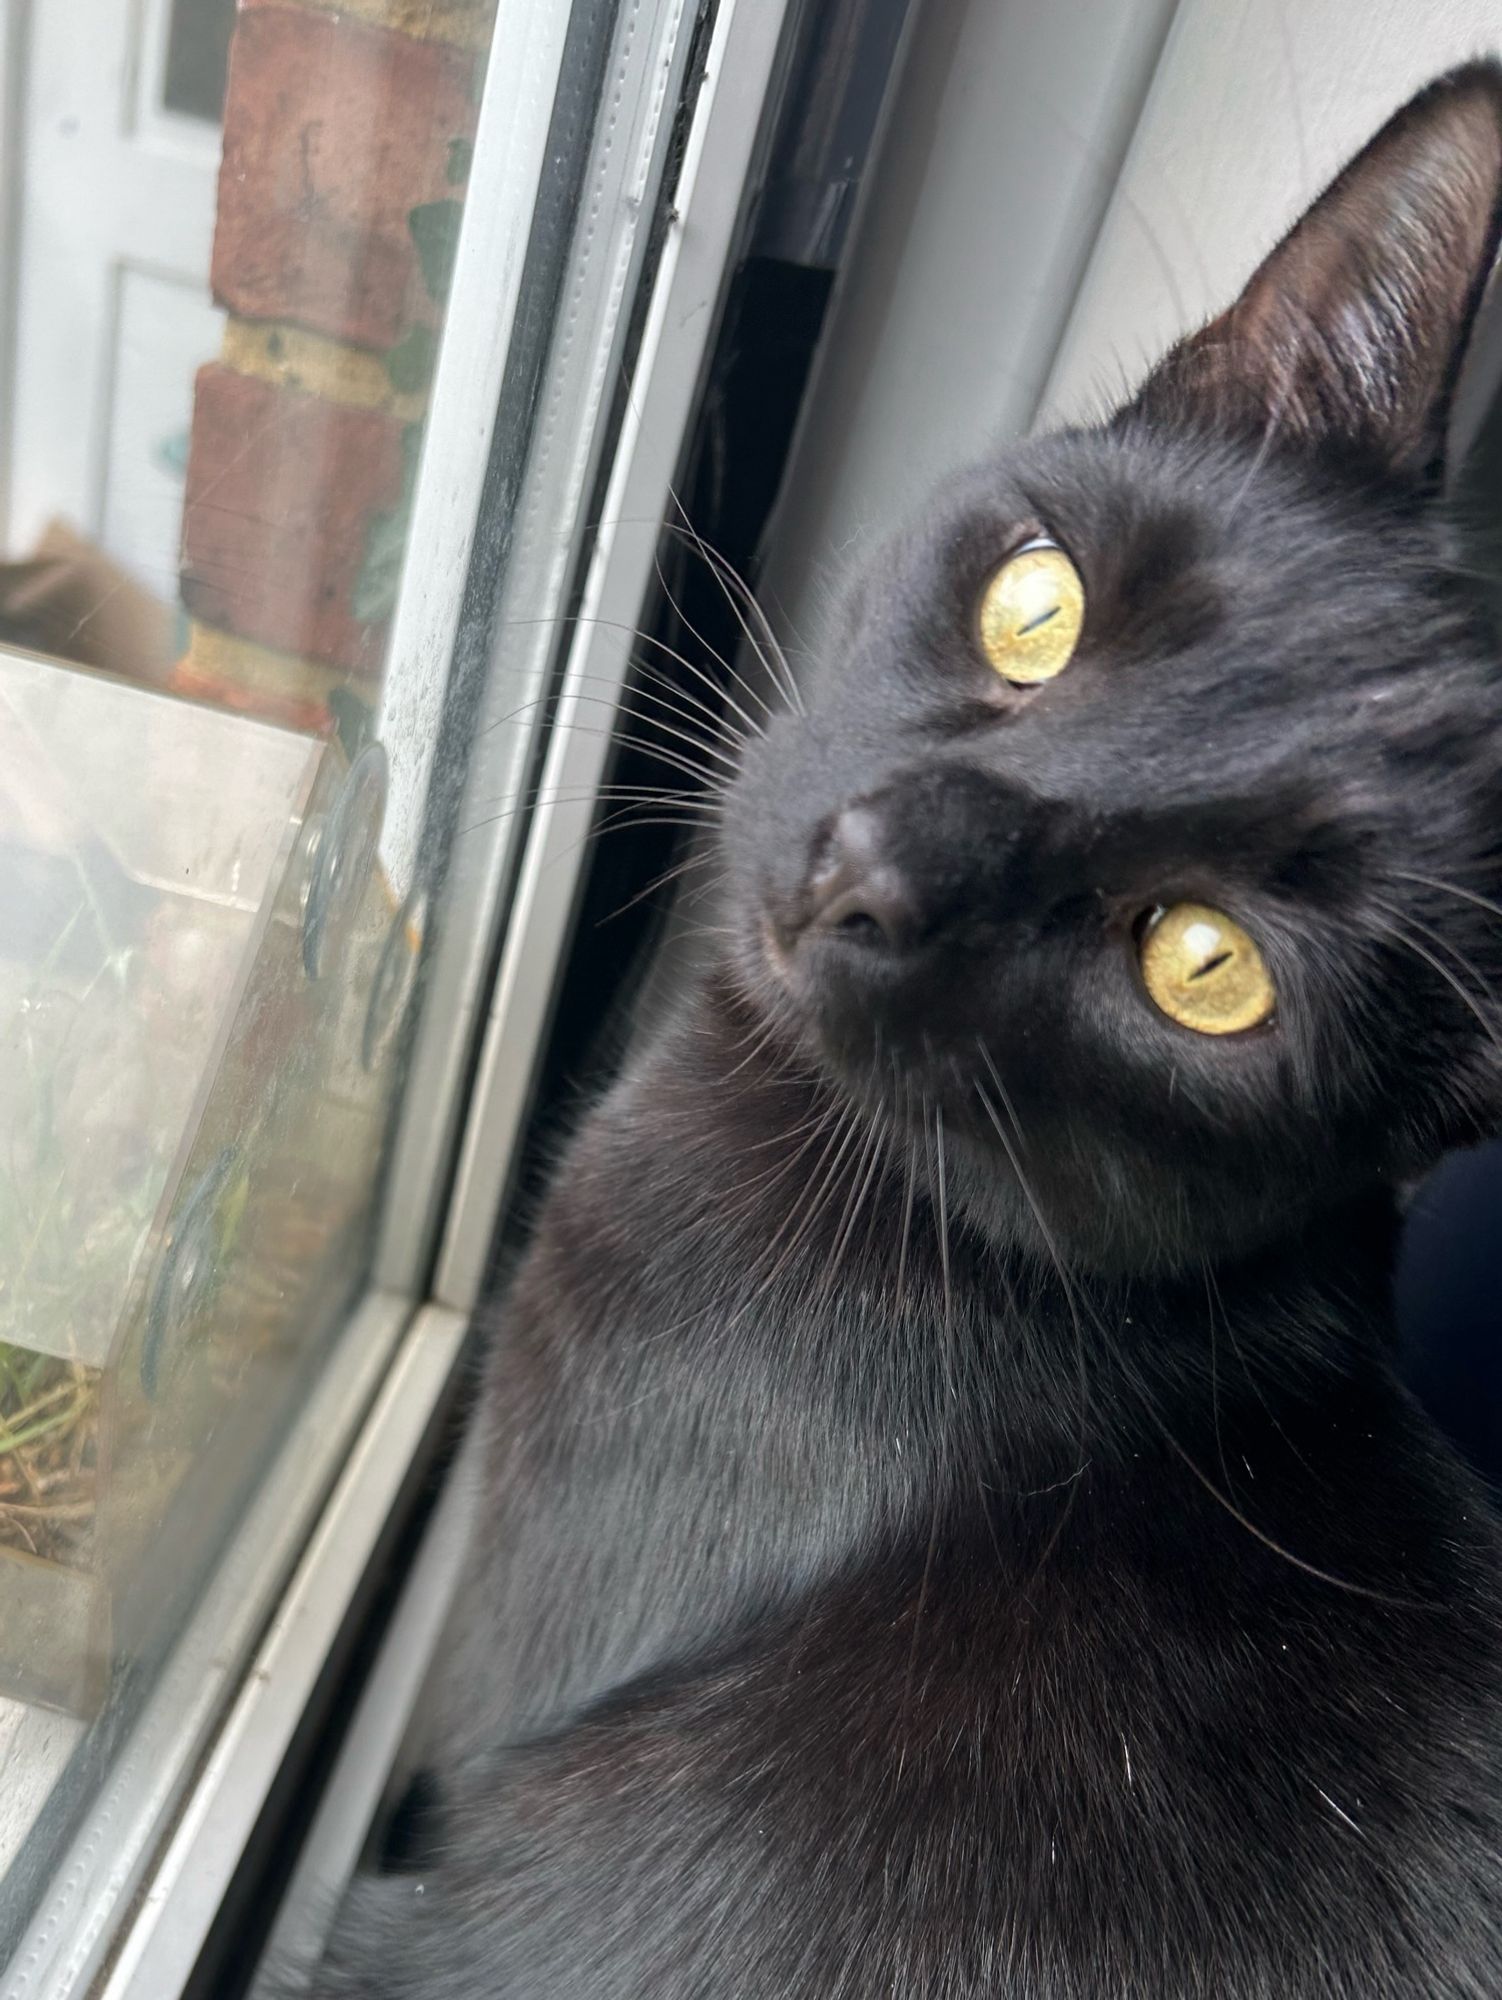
x=1031 y=613
x=1204 y=971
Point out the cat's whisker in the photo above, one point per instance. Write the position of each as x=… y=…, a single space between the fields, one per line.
x=904 y=1707
x=909 y=1195
x=683 y=812
x=871 y=1159
x=838 y=1128
x=815 y=1125
x=712 y=784
x=760 y=1039
x=764 y=1025
x=787 y=687
x=763 y=641
x=1471 y=572
x=707 y=679
x=1277 y=1548
x=696 y=812
x=1211 y=1300
x=752 y=727
x=694 y=713
x=1071 y=1297
x=637 y=813
x=724 y=735
x=629 y=816
x=728 y=757
x=1400 y=936
x=941 y=1199
x=699 y=858
x=686 y=622
x=736 y=679
x=875 y=1206
x=771 y=1177
x=1250 y=1375
x=1466 y=965
x=1149 y=1405
x=688 y=810
x=1449 y=889
x=837 y=1116
x=847 y=1131
x=709 y=732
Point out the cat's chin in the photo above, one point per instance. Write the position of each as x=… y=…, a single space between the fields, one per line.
x=773 y=1008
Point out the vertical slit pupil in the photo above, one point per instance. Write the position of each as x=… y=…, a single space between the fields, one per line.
x=1211 y=965
x=1035 y=624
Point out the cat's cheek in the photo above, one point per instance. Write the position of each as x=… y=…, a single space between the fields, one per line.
x=841 y=1023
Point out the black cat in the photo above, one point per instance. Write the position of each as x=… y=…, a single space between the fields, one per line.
x=948 y=1525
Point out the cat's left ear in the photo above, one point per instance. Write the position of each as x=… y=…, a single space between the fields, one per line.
x=1352 y=332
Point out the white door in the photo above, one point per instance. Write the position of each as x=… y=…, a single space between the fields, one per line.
x=116 y=154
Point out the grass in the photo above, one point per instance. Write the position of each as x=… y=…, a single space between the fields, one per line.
x=49 y=1451
x=67 y=1245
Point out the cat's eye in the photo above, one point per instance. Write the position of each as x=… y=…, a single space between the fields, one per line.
x=1030 y=614
x=1203 y=971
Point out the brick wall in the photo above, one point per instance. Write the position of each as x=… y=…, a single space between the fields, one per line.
x=347 y=140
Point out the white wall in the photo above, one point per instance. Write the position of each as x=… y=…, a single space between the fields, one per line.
x=1253 y=109
x=1002 y=148
x=1063 y=191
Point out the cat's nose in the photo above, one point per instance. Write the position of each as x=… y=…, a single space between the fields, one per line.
x=854 y=889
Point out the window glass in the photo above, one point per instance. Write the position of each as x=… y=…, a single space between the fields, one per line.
x=229 y=726
x=193 y=77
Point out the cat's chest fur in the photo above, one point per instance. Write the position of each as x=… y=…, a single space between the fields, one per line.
x=1036 y=1754
x=923 y=1678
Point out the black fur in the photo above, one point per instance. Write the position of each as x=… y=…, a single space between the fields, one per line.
x=948 y=1525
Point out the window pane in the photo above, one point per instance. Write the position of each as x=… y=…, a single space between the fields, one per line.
x=230 y=739
x=198 y=35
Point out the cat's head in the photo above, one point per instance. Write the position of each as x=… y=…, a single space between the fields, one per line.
x=1148 y=804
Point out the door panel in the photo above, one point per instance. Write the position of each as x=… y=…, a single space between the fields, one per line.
x=113 y=314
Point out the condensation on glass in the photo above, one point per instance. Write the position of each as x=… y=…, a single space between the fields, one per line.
x=226 y=290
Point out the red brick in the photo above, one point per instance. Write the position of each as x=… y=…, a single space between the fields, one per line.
x=283 y=489
x=334 y=132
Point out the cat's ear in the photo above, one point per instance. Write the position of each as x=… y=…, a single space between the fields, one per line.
x=1352 y=331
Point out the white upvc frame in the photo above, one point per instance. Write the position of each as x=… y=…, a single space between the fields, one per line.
x=157 y=1955
x=548 y=533
x=108 y=1865
x=14 y=22
x=371 y=1747
x=145 y=88
x=739 y=73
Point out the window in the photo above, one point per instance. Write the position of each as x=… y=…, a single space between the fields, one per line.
x=196 y=63
x=315 y=331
